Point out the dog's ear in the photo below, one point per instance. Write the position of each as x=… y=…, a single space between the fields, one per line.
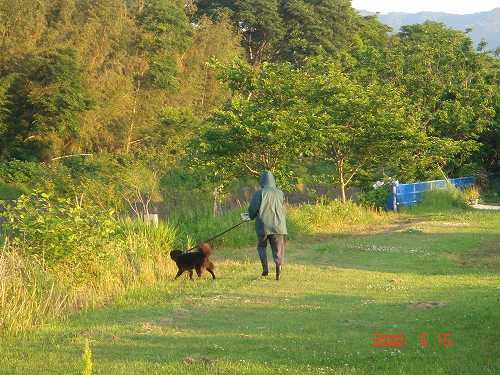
x=205 y=248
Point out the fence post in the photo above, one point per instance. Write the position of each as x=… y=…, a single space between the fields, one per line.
x=394 y=198
x=151 y=219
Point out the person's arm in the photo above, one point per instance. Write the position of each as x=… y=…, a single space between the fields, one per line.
x=254 y=207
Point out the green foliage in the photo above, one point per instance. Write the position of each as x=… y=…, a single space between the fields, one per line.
x=29 y=175
x=166 y=32
x=294 y=30
x=325 y=27
x=357 y=123
x=57 y=230
x=46 y=99
x=373 y=198
x=448 y=82
x=32 y=291
x=259 y=23
x=264 y=125
x=10 y=191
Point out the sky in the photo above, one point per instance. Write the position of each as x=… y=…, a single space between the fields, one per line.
x=414 y=6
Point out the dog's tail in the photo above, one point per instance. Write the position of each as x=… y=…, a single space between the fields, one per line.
x=174 y=254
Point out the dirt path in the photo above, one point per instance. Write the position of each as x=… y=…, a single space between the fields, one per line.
x=485 y=207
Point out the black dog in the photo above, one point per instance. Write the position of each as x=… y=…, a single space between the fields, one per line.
x=197 y=260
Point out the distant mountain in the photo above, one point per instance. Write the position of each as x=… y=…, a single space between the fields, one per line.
x=484 y=24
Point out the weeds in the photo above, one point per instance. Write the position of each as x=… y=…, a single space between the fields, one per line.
x=439 y=200
x=87 y=359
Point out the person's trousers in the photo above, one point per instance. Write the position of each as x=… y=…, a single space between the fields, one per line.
x=277 y=242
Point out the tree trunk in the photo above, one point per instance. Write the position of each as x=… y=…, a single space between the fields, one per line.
x=342 y=184
x=216 y=202
x=132 y=122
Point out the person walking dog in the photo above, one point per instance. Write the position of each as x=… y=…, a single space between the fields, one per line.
x=267 y=208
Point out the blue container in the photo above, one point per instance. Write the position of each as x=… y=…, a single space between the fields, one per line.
x=408 y=194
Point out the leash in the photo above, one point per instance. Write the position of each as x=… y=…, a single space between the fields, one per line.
x=218 y=235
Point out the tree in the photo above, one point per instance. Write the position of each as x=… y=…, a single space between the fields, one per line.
x=445 y=78
x=45 y=106
x=165 y=32
x=315 y=27
x=22 y=26
x=258 y=21
x=291 y=30
x=357 y=126
x=201 y=91
x=263 y=126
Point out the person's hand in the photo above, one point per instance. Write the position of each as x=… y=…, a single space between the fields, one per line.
x=245 y=216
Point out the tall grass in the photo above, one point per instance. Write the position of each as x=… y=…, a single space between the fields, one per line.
x=333 y=217
x=439 y=200
x=28 y=295
x=31 y=293
x=199 y=225
x=305 y=219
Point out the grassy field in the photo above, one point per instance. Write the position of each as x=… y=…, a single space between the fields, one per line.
x=434 y=273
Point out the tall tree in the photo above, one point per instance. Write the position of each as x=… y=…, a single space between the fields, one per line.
x=445 y=78
x=200 y=90
x=165 y=32
x=46 y=102
x=292 y=30
x=357 y=126
x=22 y=26
x=258 y=21
x=263 y=126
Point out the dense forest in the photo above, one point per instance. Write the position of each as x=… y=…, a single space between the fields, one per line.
x=142 y=99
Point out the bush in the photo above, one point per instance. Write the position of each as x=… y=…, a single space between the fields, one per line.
x=59 y=256
x=471 y=195
x=57 y=229
x=375 y=198
x=11 y=191
x=39 y=176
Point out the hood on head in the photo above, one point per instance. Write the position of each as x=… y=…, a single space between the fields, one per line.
x=266 y=179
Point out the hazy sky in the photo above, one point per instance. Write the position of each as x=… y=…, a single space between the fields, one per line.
x=414 y=6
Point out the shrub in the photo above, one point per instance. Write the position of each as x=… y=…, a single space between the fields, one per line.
x=471 y=195
x=60 y=257
x=55 y=177
x=373 y=198
x=58 y=231
x=10 y=191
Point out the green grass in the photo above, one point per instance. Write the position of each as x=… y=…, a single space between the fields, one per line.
x=337 y=290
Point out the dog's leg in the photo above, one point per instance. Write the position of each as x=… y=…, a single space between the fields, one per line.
x=211 y=273
x=210 y=268
x=199 y=271
x=191 y=274
x=178 y=274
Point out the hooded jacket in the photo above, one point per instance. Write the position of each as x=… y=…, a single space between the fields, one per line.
x=267 y=207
